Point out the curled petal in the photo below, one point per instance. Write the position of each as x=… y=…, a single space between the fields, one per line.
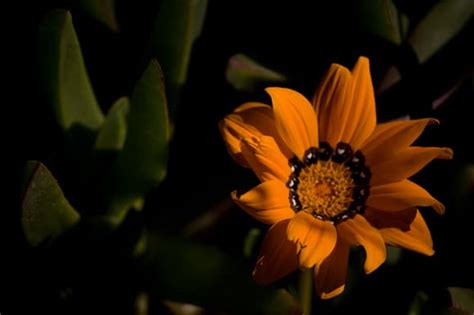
x=295 y=119
x=268 y=202
x=247 y=121
x=358 y=231
x=265 y=158
x=402 y=195
x=277 y=256
x=315 y=239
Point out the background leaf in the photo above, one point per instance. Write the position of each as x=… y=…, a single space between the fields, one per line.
x=177 y=26
x=46 y=213
x=218 y=281
x=64 y=73
x=113 y=131
x=101 y=10
x=141 y=165
x=462 y=298
x=245 y=74
x=443 y=21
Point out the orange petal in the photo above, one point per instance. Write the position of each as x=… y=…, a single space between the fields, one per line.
x=331 y=103
x=358 y=231
x=396 y=219
x=295 y=120
x=315 y=239
x=402 y=195
x=247 y=121
x=267 y=202
x=390 y=138
x=265 y=158
x=362 y=118
x=407 y=231
x=277 y=256
x=330 y=275
x=406 y=163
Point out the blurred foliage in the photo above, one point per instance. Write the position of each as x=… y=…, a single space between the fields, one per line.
x=244 y=74
x=119 y=214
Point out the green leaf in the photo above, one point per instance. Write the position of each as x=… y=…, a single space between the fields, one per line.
x=184 y=271
x=178 y=24
x=64 y=73
x=245 y=74
x=381 y=18
x=46 y=213
x=141 y=165
x=113 y=132
x=101 y=10
x=251 y=241
x=418 y=303
x=446 y=19
x=463 y=299
x=394 y=254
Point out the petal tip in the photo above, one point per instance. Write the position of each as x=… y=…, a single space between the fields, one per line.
x=333 y=293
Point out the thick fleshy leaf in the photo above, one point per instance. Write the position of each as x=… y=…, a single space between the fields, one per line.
x=331 y=102
x=295 y=120
x=381 y=18
x=245 y=74
x=406 y=163
x=277 y=256
x=113 y=132
x=141 y=165
x=177 y=26
x=402 y=195
x=442 y=23
x=217 y=282
x=357 y=231
x=64 y=74
x=315 y=239
x=46 y=213
x=101 y=10
x=267 y=202
x=266 y=159
x=390 y=138
x=330 y=275
x=462 y=299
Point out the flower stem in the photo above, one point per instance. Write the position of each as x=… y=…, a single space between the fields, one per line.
x=305 y=288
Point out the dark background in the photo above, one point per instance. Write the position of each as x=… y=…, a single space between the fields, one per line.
x=296 y=38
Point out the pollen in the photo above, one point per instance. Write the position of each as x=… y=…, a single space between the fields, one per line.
x=330 y=184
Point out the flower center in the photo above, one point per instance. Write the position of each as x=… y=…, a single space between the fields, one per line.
x=330 y=184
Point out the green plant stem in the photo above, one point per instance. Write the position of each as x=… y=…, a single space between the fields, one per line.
x=305 y=290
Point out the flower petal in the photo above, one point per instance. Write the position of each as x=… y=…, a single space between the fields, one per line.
x=330 y=275
x=402 y=195
x=406 y=163
x=331 y=103
x=315 y=239
x=407 y=230
x=266 y=159
x=267 y=202
x=357 y=231
x=277 y=256
x=390 y=138
x=247 y=121
x=295 y=120
x=362 y=118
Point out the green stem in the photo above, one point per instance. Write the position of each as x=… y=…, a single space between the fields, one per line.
x=305 y=288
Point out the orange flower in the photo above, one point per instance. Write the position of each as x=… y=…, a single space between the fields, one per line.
x=331 y=178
